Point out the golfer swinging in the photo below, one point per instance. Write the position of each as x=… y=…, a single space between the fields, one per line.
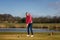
x=29 y=24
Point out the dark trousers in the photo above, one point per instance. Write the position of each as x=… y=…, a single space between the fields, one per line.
x=29 y=28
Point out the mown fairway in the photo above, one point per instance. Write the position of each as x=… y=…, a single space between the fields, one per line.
x=22 y=36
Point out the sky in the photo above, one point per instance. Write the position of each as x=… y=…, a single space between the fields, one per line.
x=37 y=8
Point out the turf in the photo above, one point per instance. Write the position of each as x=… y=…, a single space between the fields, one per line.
x=22 y=36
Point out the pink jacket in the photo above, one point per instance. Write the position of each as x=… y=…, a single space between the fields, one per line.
x=28 y=19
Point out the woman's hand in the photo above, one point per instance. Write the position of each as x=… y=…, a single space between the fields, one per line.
x=26 y=25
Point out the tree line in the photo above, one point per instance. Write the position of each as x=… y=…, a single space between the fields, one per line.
x=13 y=19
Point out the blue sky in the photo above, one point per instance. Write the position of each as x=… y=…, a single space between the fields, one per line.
x=35 y=7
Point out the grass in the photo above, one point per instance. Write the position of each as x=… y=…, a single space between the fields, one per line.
x=22 y=36
x=23 y=25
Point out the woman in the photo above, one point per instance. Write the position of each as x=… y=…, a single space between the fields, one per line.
x=29 y=24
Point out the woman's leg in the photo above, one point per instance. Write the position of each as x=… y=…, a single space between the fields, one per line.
x=31 y=28
x=28 y=29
